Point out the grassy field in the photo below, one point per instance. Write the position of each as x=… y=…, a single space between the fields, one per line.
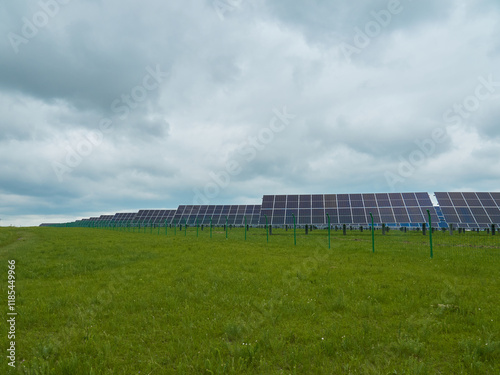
x=94 y=301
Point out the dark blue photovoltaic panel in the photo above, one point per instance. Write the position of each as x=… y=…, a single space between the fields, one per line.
x=486 y=199
x=305 y=201
x=304 y=216
x=268 y=201
x=401 y=215
x=330 y=201
x=358 y=211
x=280 y=201
x=124 y=218
x=444 y=200
x=387 y=215
x=318 y=216
x=415 y=215
x=369 y=200
x=359 y=216
x=472 y=199
x=333 y=214
x=457 y=199
x=496 y=198
x=218 y=214
x=345 y=216
x=396 y=200
x=376 y=215
x=292 y=201
x=423 y=199
x=318 y=201
x=465 y=215
x=410 y=199
x=478 y=211
x=383 y=200
x=356 y=200
x=156 y=217
x=278 y=219
x=343 y=201
x=450 y=215
x=289 y=215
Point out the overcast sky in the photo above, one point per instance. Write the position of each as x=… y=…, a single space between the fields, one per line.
x=115 y=106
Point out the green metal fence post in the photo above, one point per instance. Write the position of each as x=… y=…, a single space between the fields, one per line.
x=210 y=227
x=245 y=228
x=373 y=234
x=294 y=230
x=328 y=216
x=185 y=227
x=430 y=231
x=226 y=226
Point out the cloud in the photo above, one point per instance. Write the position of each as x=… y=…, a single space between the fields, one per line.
x=81 y=94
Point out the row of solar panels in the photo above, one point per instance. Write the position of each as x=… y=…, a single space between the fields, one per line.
x=398 y=209
x=470 y=210
x=191 y=215
x=465 y=210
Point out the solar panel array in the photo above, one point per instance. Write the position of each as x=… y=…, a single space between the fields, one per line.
x=235 y=214
x=398 y=209
x=470 y=210
x=124 y=218
x=105 y=218
x=154 y=216
x=463 y=209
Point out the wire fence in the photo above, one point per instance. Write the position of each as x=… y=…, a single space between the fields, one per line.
x=449 y=243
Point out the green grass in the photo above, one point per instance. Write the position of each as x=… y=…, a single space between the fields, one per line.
x=108 y=302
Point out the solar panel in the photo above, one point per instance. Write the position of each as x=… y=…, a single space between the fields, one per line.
x=470 y=209
x=105 y=218
x=388 y=208
x=155 y=217
x=234 y=214
x=124 y=217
